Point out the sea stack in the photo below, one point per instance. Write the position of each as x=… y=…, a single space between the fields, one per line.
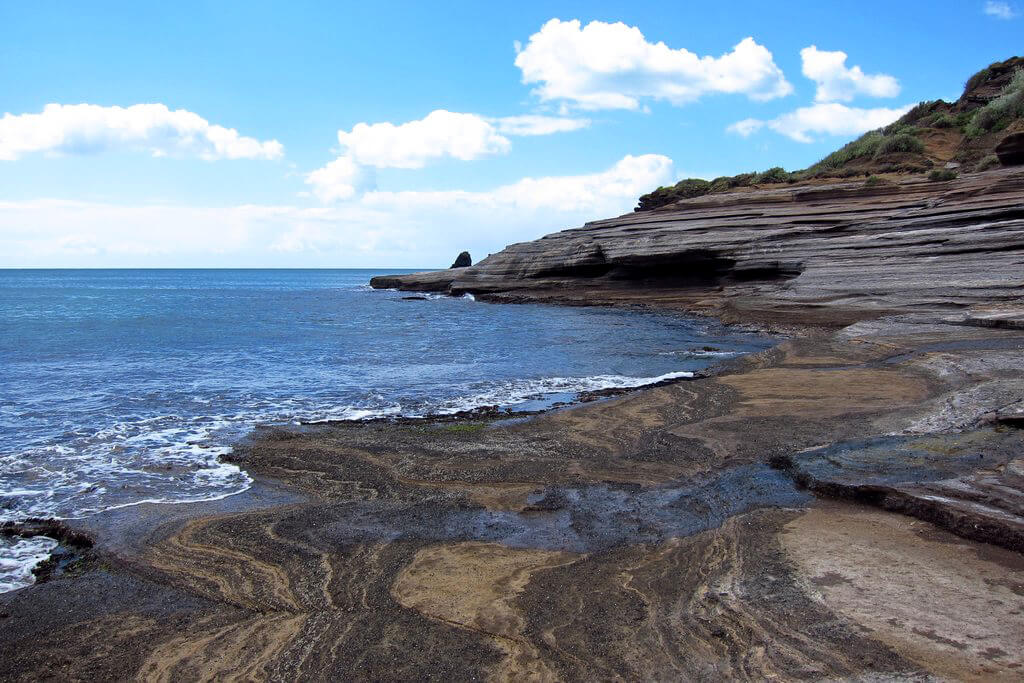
x=463 y=260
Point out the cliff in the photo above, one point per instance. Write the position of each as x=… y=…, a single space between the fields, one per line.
x=826 y=254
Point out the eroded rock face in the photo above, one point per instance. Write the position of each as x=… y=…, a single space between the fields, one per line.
x=846 y=247
x=463 y=260
x=1011 y=150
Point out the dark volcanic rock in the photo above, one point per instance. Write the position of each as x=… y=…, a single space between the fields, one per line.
x=1011 y=150
x=463 y=260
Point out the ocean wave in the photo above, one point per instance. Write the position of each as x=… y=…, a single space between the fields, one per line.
x=514 y=392
x=19 y=557
x=175 y=458
x=703 y=353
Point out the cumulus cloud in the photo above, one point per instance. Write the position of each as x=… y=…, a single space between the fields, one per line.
x=395 y=229
x=829 y=118
x=90 y=129
x=999 y=10
x=839 y=83
x=613 y=66
x=440 y=133
x=340 y=179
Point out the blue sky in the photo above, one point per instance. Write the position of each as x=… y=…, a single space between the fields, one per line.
x=169 y=184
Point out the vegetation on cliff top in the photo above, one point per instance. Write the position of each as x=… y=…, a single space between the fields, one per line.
x=930 y=135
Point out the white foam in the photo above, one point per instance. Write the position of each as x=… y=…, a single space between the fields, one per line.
x=520 y=391
x=19 y=557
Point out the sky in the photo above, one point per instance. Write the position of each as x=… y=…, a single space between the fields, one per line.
x=397 y=134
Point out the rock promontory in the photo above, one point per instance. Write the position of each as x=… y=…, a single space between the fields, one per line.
x=815 y=254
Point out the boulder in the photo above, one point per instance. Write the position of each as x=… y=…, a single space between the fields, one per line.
x=463 y=260
x=1011 y=150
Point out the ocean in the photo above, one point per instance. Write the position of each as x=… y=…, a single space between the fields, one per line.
x=119 y=387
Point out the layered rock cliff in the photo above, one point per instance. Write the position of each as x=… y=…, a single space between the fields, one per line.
x=815 y=254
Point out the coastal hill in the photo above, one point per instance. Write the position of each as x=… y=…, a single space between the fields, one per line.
x=933 y=135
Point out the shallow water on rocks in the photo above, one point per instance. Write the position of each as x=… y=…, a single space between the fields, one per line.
x=119 y=387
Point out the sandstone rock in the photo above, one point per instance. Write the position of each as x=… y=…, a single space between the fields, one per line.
x=1011 y=150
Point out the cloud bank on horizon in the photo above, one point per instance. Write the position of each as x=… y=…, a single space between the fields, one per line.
x=575 y=75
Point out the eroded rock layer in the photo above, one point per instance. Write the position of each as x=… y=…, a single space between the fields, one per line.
x=846 y=250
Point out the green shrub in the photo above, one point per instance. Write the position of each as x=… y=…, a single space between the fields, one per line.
x=978 y=79
x=903 y=142
x=942 y=174
x=876 y=181
x=721 y=184
x=1001 y=111
x=943 y=121
x=918 y=112
x=690 y=188
x=901 y=129
x=684 y=189
x=990 y=161
x=776 y=174
x=864 y=146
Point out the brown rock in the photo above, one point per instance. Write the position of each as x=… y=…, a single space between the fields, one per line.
x=1011 y=150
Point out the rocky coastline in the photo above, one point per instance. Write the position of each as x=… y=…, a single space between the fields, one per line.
x=847 y=504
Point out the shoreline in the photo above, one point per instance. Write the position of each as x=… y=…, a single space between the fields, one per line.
x=389 y=488
x=130 y=518
x=846 y=504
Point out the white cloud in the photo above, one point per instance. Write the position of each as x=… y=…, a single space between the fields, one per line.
x=1000 y=10
x=746 y=127
x=830 y=118
x=340 y=179
x=612 y=191
x=534 y=124
x=90 y=128
x=396 y=229
x=612 y=66
x=439 y=134
x=411 y=145
x=837 y=82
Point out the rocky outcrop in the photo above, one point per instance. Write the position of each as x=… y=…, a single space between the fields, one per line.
x=1011 y=150
x=847 y=249
x=463 y=260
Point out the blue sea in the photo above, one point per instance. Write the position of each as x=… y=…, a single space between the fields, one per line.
x=125 y=386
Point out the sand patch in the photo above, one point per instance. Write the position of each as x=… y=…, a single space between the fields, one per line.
x=473 y=586
x=822 y=393
x=955 y=608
